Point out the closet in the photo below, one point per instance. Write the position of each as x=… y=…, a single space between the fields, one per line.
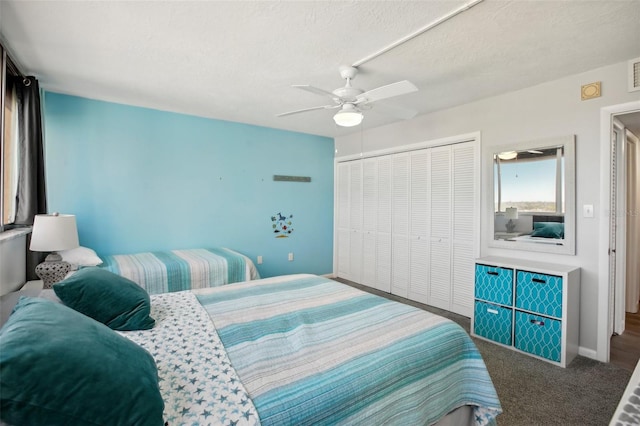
x=407 y=223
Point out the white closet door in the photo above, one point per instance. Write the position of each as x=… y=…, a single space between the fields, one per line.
x=440 y=244
x=342 y=219
x=355 y=221
x=369 y=220
x=383 y=228
x=465 y=193
x=400 y=225
x=419 y=226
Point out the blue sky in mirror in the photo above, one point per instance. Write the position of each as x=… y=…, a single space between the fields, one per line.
x=528 y=181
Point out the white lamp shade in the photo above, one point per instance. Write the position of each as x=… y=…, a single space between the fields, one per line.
x=54 y=232
x=511 y=213
x=348 y=118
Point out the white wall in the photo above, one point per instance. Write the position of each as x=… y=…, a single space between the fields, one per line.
x=547 y=110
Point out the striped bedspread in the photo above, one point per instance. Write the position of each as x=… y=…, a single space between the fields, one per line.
x=313 y=351
x=176 y=270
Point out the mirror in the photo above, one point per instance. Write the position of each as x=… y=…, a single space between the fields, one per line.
x=534 y=196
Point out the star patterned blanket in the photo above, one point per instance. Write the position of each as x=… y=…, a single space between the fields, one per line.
x=197 y=382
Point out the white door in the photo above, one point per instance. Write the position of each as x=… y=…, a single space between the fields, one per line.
x=400 y=225
x=440 y=228
x=342 y=219
x=355 y=221
x=419 y=226
x=383 y=236
x=465 y=199
x=369 y=220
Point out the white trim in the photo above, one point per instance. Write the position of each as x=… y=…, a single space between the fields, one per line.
x=466 y=137
x=606 y=115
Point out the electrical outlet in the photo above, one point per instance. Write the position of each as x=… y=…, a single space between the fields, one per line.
x=259 y=260
x=290 y=257
x=587 y=210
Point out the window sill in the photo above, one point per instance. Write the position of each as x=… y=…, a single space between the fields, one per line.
x=14 y=233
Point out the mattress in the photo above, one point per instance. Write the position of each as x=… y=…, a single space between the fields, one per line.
x=178 y=270
x=303 y=349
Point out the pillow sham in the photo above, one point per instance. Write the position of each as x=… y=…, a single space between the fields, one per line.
x=115 y=301
x=80 y=257
x=548 y=230
x=59 y=367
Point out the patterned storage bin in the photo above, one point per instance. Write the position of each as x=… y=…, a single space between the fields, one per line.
x=539 y=293
x=538 y=335
x=493 y=322
x=494 y=284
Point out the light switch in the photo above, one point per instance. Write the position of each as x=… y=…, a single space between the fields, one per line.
x=587 y=210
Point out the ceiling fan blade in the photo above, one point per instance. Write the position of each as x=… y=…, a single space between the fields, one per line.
x=390 y=90
x=395 y=111
x=307 y=109
x=315 y=90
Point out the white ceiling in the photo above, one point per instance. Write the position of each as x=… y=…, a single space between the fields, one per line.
x=236 y=60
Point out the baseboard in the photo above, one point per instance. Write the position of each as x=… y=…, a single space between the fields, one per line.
x=586 y=352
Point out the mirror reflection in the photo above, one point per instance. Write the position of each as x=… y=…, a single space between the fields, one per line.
x=529 y=196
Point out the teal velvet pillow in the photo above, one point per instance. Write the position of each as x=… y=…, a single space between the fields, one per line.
x=59 y=367
x=548 y=230
x=115 y=301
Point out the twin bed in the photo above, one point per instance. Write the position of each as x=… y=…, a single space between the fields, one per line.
x=302 y=350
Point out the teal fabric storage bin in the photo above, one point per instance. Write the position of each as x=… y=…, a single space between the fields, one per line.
x=540 y=293
x=493 y=322
x=494 y=284
x=538 y=335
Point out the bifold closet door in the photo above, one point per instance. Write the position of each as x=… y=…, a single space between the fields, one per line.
x=464 y=233
x=383 y=228
x=440 y=228
x=369 y=220
x=419 y=226
x=400 y=225
x=342 y=219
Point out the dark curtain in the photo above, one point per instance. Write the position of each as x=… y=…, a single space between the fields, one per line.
x=31 y=197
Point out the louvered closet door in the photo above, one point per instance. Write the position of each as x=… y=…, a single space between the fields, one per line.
x=464 y=211
x=355 y=221
x=369 y=220
x=383 y=235
x=418 y=226
x=342 y=220
x=440 y=227
x=400 y=225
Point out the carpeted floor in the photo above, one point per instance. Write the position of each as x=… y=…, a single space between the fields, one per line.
x=536 y=393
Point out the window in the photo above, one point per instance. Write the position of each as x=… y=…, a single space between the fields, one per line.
x=8 y=141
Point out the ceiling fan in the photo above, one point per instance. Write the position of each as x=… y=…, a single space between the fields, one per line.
x=351 y=101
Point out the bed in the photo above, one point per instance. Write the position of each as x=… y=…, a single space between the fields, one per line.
x=628 y=411
x=292 y=350
x=177 y=270
x=546 y=229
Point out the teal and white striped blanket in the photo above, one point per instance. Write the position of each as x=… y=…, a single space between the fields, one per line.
x=176 y=270
x=310 y=350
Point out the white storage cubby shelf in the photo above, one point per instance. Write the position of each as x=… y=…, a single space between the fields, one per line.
x=531 y=307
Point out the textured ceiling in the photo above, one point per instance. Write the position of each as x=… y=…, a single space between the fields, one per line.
x=236 y=60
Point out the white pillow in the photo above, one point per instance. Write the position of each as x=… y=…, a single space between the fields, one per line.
x=80 y=256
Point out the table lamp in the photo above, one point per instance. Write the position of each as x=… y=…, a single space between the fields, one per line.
x=511 y=214
x=52 y=233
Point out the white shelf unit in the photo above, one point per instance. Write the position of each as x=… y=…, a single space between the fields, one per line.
x=531 y=307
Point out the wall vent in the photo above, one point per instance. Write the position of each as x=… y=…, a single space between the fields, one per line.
x=634 y=75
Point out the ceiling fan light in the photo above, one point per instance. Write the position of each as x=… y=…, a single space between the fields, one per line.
x=507 y=155
x=348 y=118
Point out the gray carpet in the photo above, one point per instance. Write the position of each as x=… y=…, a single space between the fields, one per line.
x=534 y=392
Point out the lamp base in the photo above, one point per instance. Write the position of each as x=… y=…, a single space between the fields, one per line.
x=511 y=226
x=50 y=272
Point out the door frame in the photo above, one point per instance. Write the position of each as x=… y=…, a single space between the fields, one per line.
x=607 y=115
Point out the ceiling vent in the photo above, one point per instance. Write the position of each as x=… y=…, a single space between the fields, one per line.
x=634 y=75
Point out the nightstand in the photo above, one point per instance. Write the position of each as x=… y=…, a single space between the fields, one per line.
x=33 y=285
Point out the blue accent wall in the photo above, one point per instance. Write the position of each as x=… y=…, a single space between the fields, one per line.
x=139 y=179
